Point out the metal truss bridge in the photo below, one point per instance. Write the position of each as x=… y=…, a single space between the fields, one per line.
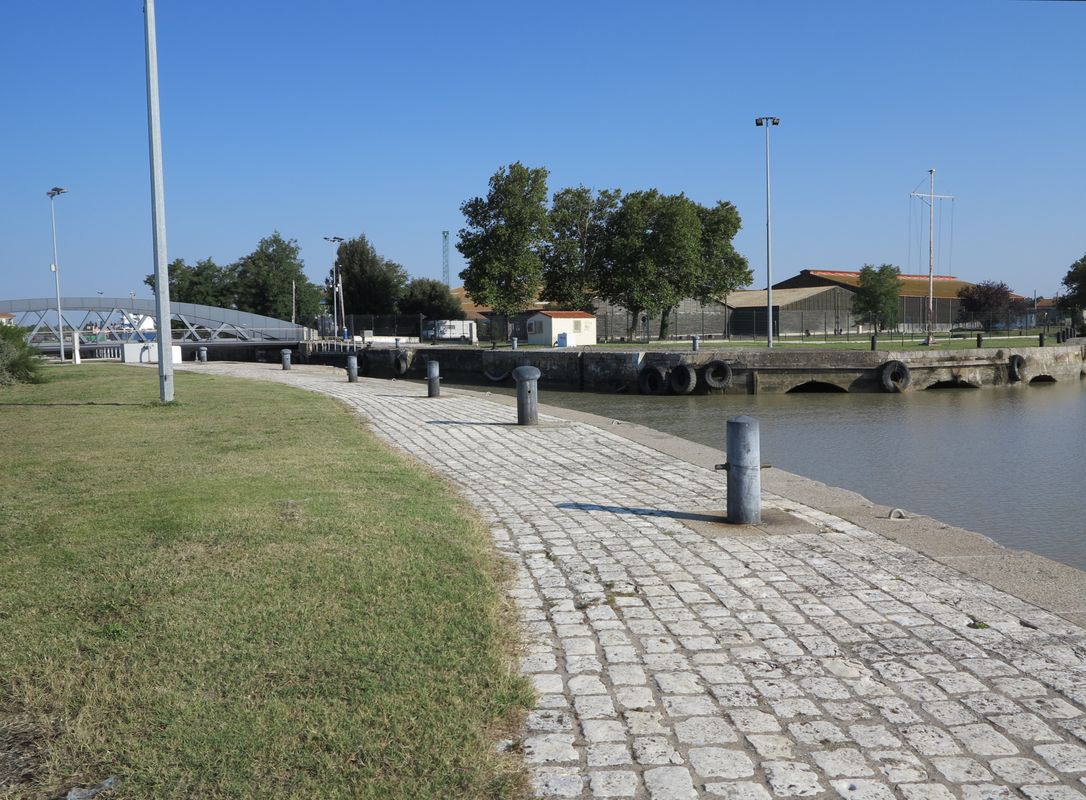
x=113 y=320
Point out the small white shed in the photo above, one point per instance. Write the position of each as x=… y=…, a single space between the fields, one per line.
x=579 y=328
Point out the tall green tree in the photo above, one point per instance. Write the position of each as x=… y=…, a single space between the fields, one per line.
x=877 y=297
x=206 y=283
x=430 y=298
x=372 y=284
x=984 y=301
x=573 y=254
x=1075 y=281
x=503 y=239
x=722 y=268
x=264 y=280
x=653 y=254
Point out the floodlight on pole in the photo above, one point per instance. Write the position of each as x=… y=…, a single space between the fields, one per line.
x=158 y=212
x=52 y=194
x=337 y=287
x=767 y=123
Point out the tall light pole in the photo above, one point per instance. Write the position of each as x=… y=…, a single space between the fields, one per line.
x=52 y=193
x=767 y=123
x=158 y=212
x=337 y=287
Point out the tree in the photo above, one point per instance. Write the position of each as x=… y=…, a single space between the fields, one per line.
x=876 y=301
x=19 y=362
x=504 y=236
x=1075 y=281
x=430 y=298
x=206 y=283
x=573 y=253
x=372 y=284
x=983 y=301
x=660 y=249
x=265 y=279
x=722 y=270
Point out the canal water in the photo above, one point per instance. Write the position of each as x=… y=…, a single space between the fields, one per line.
x=1005 y=462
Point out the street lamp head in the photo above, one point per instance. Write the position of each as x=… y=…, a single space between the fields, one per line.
x=759 y=121
x=333 y=239
x=56 y=190
x=776 y=120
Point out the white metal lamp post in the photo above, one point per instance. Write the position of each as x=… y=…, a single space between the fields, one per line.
x=52 y=193
x=767 y=123
x=337 y=287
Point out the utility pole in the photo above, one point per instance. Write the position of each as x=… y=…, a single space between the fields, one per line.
x=336 y=288
x=158 y=213
x=768 y=122
x=52 y=194
x=445 y=257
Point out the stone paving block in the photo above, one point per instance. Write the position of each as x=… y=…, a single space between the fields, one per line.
x=607 y=754
x=772 y=747
x=982 y=739
x=930 y=741
x=738 y=790
x=719 y=762
x=862 y=790
x=669 y=783
x=961 y=769
x=987 y=791
x=704 y=731
x=925 y=791
x=1047 y=792
x=792 y=779
x=899 y=766
x=844 y=761
x=655 y=750
x=613 y=783
x=557 y=782
x=1063 y=757
x=1020 y=771
x=604 y=730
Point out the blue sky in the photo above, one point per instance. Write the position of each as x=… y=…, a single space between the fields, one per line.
x=336 y=118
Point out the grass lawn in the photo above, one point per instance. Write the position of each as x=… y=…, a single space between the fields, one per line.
x=242 y=594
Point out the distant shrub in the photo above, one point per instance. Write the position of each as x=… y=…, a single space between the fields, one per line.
x=19 y=362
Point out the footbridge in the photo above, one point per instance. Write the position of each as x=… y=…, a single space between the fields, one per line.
x=103 y=321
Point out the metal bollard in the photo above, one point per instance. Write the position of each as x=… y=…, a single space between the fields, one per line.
x=433 y=379
x=352 y=369
x=874 y=343
x=980 y=340
x=514 y=342
x=285 y=355
x=744 y=468
x=397 y=343
x=695 y=343
x=202 y=355
x=1041 y=339
x=527 y=379
x=1059 y=337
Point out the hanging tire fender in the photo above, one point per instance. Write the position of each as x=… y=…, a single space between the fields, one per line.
x=652 y=379
x=683 y=379
x=400 y=362
x=717 y=374
x=894 y=376
x=1016 y=367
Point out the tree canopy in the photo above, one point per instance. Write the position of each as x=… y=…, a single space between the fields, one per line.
x=372 y=284
x=503 y=238
x=1075 y=281
x=986 y=300
x=432 y=299
x=573 y=254
x=876 y=301
x=264 y=278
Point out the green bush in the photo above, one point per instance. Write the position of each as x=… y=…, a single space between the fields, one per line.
x=19 y=362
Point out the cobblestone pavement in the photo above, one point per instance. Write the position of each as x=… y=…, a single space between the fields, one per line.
x=675 y=664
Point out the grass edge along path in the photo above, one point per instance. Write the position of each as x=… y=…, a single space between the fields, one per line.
x=242 y=594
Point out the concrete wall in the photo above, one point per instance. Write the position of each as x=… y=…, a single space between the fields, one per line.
x=754 y=371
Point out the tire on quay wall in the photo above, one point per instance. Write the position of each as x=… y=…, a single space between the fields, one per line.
x=1016 y=367
x=652 y=379
x=894 y=376
x=399 y=363
x=683 y=379
x=717 y=374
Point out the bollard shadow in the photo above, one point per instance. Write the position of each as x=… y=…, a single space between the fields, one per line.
x=643 y=512
x=467 y=422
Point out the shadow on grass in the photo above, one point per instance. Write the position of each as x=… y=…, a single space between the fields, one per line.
x=87 y=403
x=642 y=512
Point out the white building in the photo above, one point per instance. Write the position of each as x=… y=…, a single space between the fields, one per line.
x=575 y=328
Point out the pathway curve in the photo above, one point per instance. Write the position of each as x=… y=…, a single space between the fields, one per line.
x=680 y=663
